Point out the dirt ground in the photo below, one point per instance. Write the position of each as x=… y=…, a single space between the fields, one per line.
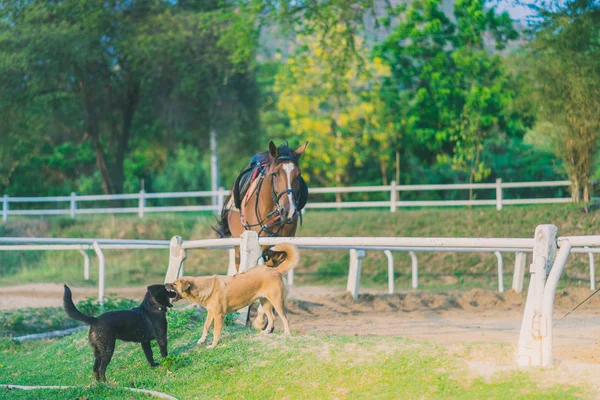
x=479 y=326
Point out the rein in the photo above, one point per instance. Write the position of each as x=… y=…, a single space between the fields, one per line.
x=273 y=219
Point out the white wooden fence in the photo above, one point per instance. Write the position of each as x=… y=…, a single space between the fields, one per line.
x=73 y=204
x=549 y=258
x=550 y=255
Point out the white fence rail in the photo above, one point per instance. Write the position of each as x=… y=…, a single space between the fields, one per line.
x=549 y=258
x=71 y=205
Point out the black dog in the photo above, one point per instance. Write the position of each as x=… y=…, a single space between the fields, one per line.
x=140 y=324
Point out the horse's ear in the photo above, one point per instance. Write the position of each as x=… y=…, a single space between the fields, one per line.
x=273 y=150
x=300 y=150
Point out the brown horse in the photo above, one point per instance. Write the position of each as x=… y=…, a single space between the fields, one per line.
x=271 y=202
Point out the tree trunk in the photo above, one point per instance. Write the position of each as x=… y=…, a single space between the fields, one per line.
x=398 y=167
x=383 y=171
x=93 y=129
x=122 y=138
x=575 y=192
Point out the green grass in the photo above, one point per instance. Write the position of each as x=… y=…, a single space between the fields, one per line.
x=25 y=321
x=247 y=365
x=438 y=271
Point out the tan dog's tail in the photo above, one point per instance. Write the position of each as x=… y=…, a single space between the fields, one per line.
x=292 y=256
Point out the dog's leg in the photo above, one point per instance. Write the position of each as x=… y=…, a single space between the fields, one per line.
x=217 y=331
x=149 y=356
x=279 y=307
x=207 y=324
x=106 y=353
x=162 y=345
x=259 y=322
x=268 y=308
x=98 y=358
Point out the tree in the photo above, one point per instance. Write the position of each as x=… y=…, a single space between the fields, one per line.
x=564 y=58
x=331 y=108
x=88 y=68
x=450 y=86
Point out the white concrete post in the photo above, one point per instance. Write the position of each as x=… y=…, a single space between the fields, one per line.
x=415 y=269
x=141 y=203
x=250 y=250
x=592 y=271
x=529 y=349
x=86 y=264
x=73 y=205
x=390 y=260
x=5 y=208
x=101 y=273
x=290 y=277
x=250 y=254
x=547 y=317
x=177 y=255
x=498 y=194
x=393 y=196
x=231 y=267
x=353 y=285
x=519 y=272
x=500 y=271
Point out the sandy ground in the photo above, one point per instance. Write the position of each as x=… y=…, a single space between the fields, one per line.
x=479 y=326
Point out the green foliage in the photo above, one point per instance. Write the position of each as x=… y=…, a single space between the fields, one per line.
x=337 y=118
x=453 y=92
x=91 y=88
x=563 y=59
x=184 y=171
x=91 y=306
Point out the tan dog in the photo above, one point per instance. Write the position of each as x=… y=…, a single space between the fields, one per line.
x=221 y=295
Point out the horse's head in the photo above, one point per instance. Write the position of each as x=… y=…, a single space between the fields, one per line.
x=285 y=174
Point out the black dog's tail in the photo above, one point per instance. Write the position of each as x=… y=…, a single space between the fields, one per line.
x=72 y=311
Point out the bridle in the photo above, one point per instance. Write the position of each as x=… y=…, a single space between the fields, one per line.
x=273 y=223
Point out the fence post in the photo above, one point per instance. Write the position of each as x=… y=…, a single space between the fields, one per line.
x=353 y=285
x=220 y=199
x=231 y=270
x=101 y=273
x=142 y=203
x=5 y=208
x=73 y=204
x=390 y=260
x=290 y=278
x=529 y=349
x=415 y=269
x=393 y=196
x=86 y=264
x=250 y=253
x=498 y=194
x=592 y=270
x=519 y=272
x=547 y=316
x=500 y=272
x=177 y=255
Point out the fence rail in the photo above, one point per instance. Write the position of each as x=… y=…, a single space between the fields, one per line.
x=73 y=202
x=550 y=254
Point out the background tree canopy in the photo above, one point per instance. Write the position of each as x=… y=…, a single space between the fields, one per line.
x=100 y=96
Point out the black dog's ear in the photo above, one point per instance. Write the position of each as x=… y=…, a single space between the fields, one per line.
x=156 y=289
